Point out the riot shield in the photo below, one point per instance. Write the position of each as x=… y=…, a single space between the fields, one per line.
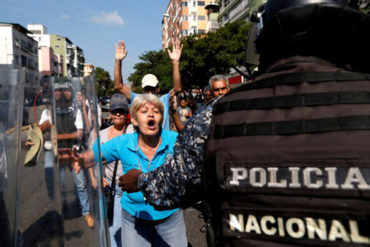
x=56 y=206
x=11 y=105
x=77 y=128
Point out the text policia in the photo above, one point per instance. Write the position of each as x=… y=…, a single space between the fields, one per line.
x=298 y=177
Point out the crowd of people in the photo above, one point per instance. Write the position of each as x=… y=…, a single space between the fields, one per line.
x=236 y=151
x=145 y=145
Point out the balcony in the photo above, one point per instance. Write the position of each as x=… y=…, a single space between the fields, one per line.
x=28 y=47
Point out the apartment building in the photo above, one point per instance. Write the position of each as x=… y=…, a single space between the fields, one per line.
x=88 y=69
x=18 y=50
x=67 y=59
x=183 y=18
x=236 y=10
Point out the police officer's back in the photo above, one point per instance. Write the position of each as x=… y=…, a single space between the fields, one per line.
x=288 y=155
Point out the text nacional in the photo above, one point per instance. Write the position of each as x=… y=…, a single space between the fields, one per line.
x=298 y=228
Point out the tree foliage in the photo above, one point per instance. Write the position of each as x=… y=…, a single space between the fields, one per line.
x=214 y=53
x=154 y=62
x=203 y=55
x=104 y=84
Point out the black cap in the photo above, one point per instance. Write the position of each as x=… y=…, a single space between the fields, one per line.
x=118 y=101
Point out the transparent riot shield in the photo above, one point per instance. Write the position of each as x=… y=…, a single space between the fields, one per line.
x=11 y=105
x=77 y=128
x=40 y=216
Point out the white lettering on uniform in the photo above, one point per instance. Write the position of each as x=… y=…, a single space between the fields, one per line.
x=268 y=231
x=298 y=228
x=332 y=182
x=337 y=231
x=307 y=177
x=313 y=177
x=273 y=179
x=236 y=223
x=281 y=227
x=313 y=228
x=262 y=176
x=301 y=230
x=354 y=175
x=294 y=183
x=252 y=225
x=355 y=235
x=238 y=174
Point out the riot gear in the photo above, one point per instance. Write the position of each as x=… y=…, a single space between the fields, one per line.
x=321 y=28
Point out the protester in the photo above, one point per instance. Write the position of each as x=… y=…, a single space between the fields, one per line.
x=219 y=85
x=207 y=94
x=118 y=111
x=149 y=83
x=285 y=156
x=183 y=111
x=69 y=123
x=146 y=150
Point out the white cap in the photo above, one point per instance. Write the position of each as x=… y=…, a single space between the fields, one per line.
x=149 y=80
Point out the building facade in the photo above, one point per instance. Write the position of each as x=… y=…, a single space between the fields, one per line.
x=183 y=18
x=68 y=59
x=19 y=51
x=237 y=10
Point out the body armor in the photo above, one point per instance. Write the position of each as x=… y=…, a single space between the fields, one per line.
x=288 y=159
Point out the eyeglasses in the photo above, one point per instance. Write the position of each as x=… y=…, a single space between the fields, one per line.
x=118 y=111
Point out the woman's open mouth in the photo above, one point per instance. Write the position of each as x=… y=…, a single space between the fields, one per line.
x=151 y=125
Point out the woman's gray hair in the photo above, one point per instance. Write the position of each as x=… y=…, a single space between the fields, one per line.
x=142 y=99
x=218 y=78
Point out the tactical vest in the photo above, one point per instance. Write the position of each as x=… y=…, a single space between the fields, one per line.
x=288 y=162
x=65 y=122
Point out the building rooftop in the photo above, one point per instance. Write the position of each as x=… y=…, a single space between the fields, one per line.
x=16 y=26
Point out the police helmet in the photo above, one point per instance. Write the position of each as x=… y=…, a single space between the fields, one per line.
x=334 y=30
x=273 y=7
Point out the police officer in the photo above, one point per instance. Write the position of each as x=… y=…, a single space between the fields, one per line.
x=283 y=161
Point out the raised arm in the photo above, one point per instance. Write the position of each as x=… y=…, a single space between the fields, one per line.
x=175 y=116
x=175 y=56
x=121 y=53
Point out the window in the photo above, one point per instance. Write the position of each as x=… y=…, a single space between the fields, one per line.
x=24 y=61
x=185 y=32
x=201 y=3
x=201 y=31
x=57 y=46
x=16 y=42
x=16 y=59
x=184 y=4
x=201 y=18
x=59 y=39
x=194 y=17
x=194 y=4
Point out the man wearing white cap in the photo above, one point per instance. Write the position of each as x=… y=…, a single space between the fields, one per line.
x=149 y=83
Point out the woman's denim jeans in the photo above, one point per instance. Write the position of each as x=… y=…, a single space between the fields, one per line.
x=170 y=232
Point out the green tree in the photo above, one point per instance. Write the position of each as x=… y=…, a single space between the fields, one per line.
x=203 y=55
x=214 y=53
x=104 y=84
x=154 y=62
